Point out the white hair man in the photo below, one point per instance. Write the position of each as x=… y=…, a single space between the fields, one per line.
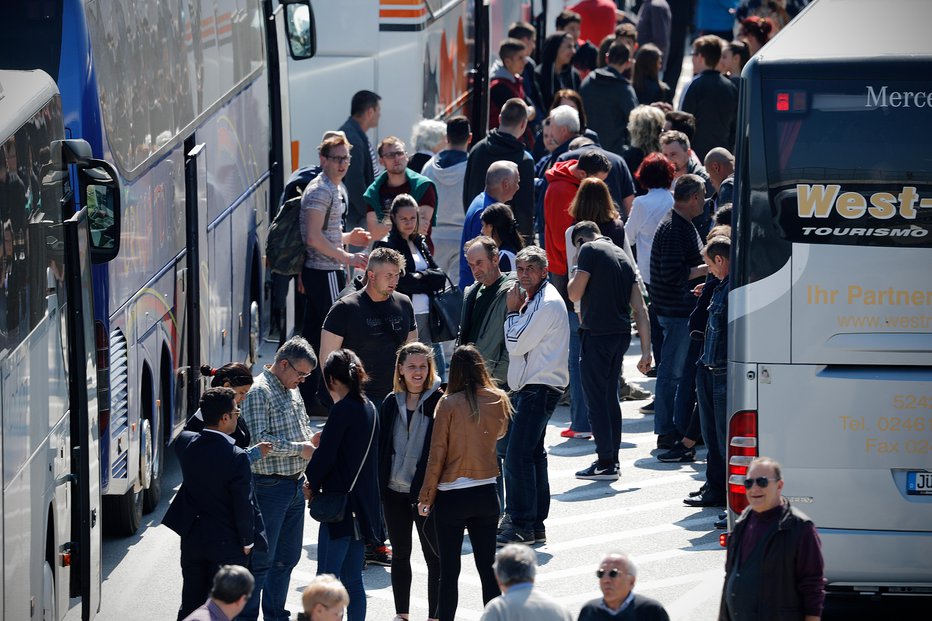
x=515 y=567
x=617 y=575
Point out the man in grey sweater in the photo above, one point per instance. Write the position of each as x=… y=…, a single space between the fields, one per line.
x=515 y=568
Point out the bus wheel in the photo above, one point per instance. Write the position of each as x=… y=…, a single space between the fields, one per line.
x=254 y=332
x=153 y=492
x=49 y=603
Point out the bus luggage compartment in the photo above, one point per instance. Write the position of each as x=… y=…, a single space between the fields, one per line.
x=856 y=446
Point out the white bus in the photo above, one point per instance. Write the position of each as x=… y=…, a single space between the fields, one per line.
x=49 y=428
x=830 y=312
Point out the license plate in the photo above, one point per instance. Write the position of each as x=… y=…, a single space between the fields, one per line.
x=918 y=482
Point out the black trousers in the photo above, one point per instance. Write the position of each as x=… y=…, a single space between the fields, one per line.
x=401 y=517
x=199 y=563
x=476 y=510
x=321 y=290
x=600 y=360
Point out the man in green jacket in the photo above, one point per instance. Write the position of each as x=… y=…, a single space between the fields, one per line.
x=484 y=307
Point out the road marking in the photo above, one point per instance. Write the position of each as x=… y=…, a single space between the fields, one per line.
x=641 y=560
x=710 y=587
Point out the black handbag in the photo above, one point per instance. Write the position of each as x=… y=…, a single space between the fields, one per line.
x=446 y=307
x=330 y=507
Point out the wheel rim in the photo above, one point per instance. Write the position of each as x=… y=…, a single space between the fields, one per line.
x=145 y=455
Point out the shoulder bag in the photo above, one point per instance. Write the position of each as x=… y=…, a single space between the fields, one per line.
x=330 y=507
x=446 y=307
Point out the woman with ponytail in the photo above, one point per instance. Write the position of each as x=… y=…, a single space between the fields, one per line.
x=347 y=458
x=237 y=376
x=459 y=488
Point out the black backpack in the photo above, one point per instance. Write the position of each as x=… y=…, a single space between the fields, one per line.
x=284 y=247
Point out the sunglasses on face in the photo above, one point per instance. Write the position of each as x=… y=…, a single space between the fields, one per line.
x=612 y=573
x=762 y=482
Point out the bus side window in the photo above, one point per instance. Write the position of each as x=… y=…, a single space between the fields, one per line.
x=301 y=29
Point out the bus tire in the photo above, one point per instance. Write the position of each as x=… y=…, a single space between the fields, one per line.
x=153 y=493
x=124 y=513
x=49 y=601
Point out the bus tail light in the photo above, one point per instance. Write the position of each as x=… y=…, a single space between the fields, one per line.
x=742 y=448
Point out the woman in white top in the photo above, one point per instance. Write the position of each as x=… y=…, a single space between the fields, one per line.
x=421 y=276
x=655 y=174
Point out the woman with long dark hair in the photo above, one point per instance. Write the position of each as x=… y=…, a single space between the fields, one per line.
x=237 y=376
x=405 y=425
x=594 y=202
x=556 y=70
x=459 y=490
x=646 y=75
x=498 y=222
x=347 y=458
x=421 y=275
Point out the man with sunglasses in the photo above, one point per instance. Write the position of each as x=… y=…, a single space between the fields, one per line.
x=274 y=412
x=617 y=574
x=773 y=567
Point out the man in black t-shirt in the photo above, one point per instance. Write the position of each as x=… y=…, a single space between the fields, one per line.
x=373 y=322
x=604 y=281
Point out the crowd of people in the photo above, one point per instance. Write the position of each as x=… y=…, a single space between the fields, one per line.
x=592 y=210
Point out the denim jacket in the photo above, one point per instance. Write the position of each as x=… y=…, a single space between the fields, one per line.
x=715 y=348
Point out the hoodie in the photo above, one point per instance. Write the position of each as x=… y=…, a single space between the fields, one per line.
x=562 y=185
x=447 y=170
x=503 y=85
x=609 y=98
x=501 y=146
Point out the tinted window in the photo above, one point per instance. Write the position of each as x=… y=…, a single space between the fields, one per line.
x=31 y=35
x=30 y=209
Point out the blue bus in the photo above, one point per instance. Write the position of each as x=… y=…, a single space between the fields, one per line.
x=185 y=97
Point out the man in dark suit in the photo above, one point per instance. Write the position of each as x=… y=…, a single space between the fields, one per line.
x=212 y=511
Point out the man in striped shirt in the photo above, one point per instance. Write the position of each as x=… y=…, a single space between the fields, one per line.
x=274 y=412
x=675 y=261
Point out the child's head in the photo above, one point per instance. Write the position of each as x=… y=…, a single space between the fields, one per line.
x=325 y=598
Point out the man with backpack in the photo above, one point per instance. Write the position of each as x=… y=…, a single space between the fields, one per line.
x=323 y=206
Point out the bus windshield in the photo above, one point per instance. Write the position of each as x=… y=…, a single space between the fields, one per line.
x=818 y=131
x=843 y=163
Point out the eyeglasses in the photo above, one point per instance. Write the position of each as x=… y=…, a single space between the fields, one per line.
x=612 y=573
x=391 y=155
x=300 y=374
x=235 y=412
x=762 y=482
x=340 y=159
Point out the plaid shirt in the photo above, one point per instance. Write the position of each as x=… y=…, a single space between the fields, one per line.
x=275 y=414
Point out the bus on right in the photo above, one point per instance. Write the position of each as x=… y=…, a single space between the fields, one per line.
x=830 y=312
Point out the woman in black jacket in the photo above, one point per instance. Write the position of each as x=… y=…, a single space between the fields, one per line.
x=421 y=276
x=348 y=445
x=405 y=425
x=556 y=70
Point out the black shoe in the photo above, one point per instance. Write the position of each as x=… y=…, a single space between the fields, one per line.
x=723 y=515
x=514 y=535
x=504 y=523
x=667 y=440
x=700 y=491
x=679 y=453
x=721 y=524
x=599 y=473
x=540 y=535
x=652 y=372
x=705 y=500
x=647 y=408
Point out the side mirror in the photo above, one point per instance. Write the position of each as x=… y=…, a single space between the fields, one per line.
x=301 y=28
x=99 y=191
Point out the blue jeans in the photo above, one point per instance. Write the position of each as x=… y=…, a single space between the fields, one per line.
x=670 y=371
x=343 y=557
x=527 y=485
x=579 y=413
x=685 y=401
x=282 y=504
x=711 y=394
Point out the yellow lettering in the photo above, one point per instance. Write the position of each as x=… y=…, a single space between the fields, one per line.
x=851 y=205
x=908 y=198
x=815 y=201
x=882 y=205
x=854 y=292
